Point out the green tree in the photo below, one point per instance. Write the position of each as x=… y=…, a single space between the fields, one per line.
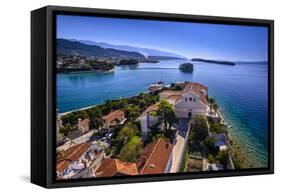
x=65 y=129
x=199 y=129
x=211 y=158
x=222 y=157
x=132 y=112
x=142 y=104
x=107 y=107
x=131 y=151
x=171 y=118
x=215 y=107
x=95 y=116
x=210 y=143
x=83 y=114
x=166 y=114
x=211 y=102
x=127 y=132
x=217 y=128
x=122 y=103
x=71 y=118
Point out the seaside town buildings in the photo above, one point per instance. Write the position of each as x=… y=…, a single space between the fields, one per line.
x=187 y=103
x=83 y=125
x=115 y=167
x=156 y=158
x=75 y=160
x=82 y=157
x=113 y=118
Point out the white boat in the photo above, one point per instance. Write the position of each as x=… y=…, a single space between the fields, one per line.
x=154 y=87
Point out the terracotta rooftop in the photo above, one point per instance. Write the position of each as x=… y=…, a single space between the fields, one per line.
x=115 y=115
x=193 y=87
x=71 y=154
x=171 y=92
x=175 y=98
x=112 y=167
x=197 y=89
x=84 y=123
x=155 y=157
x=150 y=109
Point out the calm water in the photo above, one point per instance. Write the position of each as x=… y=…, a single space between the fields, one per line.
x=241 y=92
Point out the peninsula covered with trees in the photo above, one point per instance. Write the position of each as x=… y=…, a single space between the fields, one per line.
x=213 y=61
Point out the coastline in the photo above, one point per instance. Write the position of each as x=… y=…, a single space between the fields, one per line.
x=91 y=71
x=238 y=147
x=92 y=106
x=237 y=150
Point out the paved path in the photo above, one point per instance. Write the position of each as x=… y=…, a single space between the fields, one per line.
x=179 y=146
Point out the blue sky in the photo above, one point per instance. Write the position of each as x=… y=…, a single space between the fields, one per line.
x=212 y=41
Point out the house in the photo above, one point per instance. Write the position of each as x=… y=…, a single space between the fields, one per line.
x=156 y=158
x=83 y=125
x=113 y=118
x=148 y=120
x=220 y=141
x=115 y=167
x=189 y=101
x=73 y=161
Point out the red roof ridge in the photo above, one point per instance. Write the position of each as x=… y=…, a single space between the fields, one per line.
x=150 y=155
x=66 y=161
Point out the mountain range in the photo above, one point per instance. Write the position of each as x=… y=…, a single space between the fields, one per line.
x=144 y=51
x=67 y=47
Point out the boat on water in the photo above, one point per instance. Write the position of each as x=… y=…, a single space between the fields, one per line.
x=155 y=87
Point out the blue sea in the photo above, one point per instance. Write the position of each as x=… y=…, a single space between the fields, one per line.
x=241 y=92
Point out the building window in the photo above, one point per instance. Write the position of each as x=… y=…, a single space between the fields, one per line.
x=185 y=99
x=194 y=99
x=190 y=99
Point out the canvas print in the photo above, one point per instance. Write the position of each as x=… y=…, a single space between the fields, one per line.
x=145 y=97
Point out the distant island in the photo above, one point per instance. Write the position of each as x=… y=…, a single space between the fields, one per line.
x=213 y=61
x=164 y=58
x=128 y=62
x=186 y=67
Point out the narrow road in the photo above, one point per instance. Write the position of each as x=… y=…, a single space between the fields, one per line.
x=179 y=146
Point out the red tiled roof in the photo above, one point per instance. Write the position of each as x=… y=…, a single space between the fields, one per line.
x=197 y=89
x=155 y=157
x=193 y=87
x=112 y=167
x=174 y=97
x=71 y=154
x=150 y=109
x=84 y=123
x=117 y=114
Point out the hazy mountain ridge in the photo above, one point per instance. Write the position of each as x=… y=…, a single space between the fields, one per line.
x=70 y=47
x=144 y=51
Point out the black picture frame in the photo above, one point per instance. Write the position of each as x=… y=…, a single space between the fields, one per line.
x=43 y=100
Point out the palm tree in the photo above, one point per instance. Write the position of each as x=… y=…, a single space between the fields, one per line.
x=211 y=101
